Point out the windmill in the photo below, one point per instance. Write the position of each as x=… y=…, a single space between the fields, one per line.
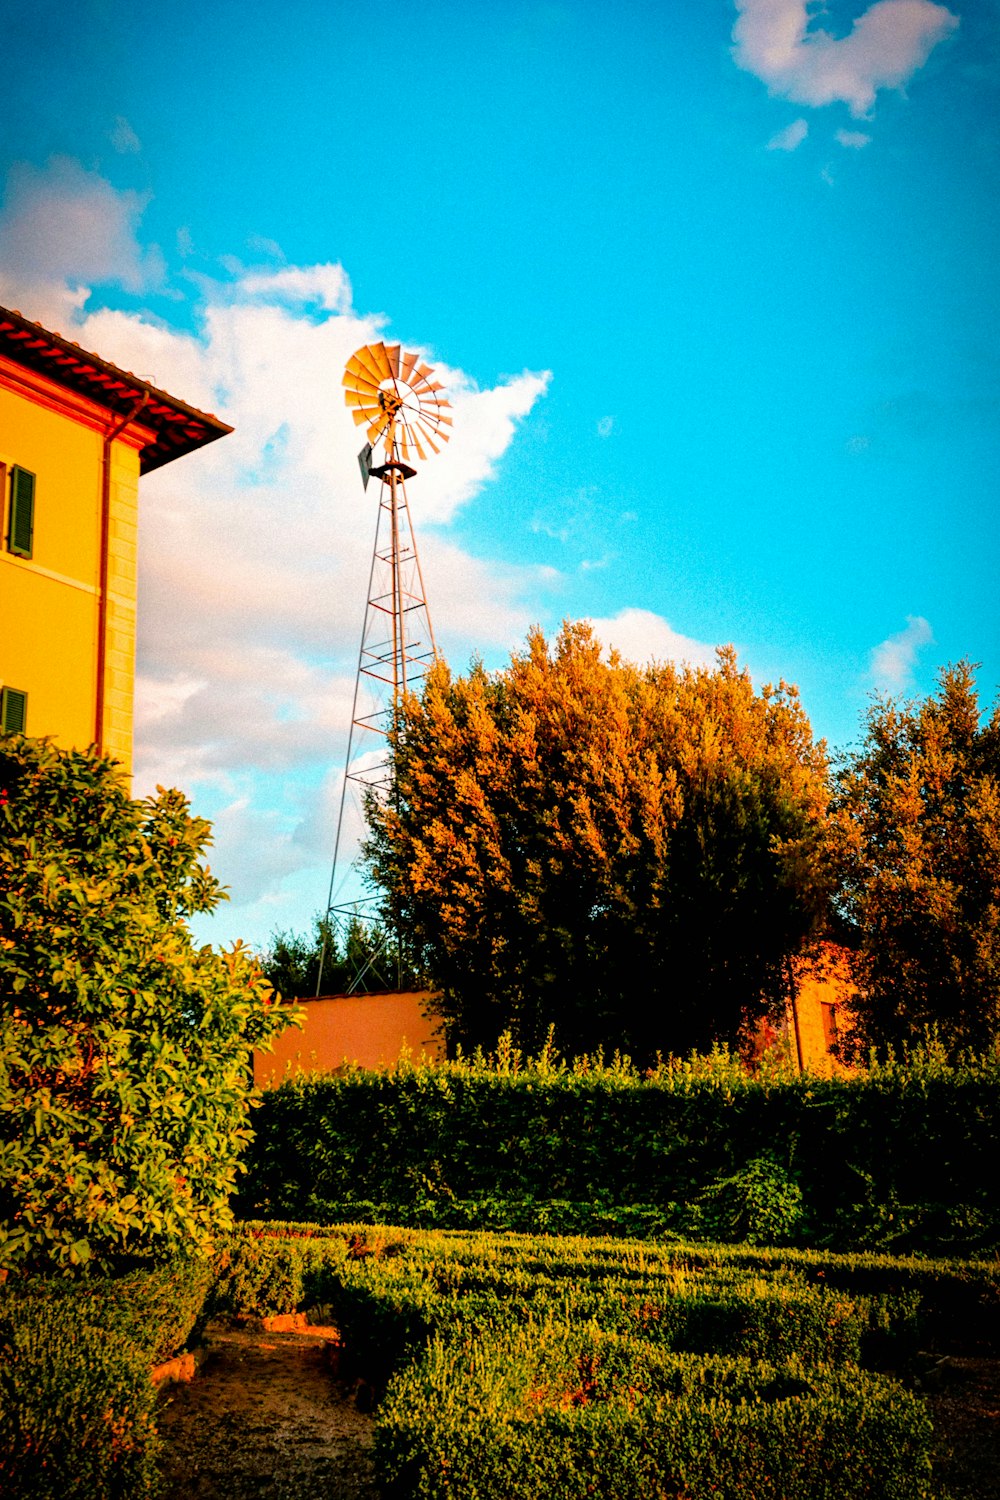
x=394 y=396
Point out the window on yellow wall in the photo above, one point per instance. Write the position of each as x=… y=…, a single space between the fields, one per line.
x=13 y=711
x=21 y=512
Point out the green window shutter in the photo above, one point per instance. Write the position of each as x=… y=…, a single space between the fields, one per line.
x=13 y=711
x=21 y=527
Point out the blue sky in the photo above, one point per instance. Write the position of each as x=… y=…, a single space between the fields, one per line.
x=714 y=288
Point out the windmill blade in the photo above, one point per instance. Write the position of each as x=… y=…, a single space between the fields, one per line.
x=428 y=439
x=354 y=371
x=430 y=422
x=361 y=368
x=372 y=362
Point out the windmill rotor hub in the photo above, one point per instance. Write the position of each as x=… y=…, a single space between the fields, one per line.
x=389 y=401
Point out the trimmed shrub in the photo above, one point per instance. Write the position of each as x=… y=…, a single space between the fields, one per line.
x=76 y=1401
x=261 y=1275
x=901 y=1158
x=76 y=1407
x=570 y=1412
x=536 y=1365
x=155 y=1309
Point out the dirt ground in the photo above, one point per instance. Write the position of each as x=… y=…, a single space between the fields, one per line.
x=966 y=1414
x=265 y=1418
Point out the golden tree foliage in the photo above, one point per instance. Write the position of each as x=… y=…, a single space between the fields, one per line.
x=923 y=874
x=628 y=853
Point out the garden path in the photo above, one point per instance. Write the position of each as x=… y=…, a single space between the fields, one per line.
x=265 y=1418
x=966 y=1416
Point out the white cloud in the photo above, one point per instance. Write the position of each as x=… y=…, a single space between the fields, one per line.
x=260 y=244
x=254 y=560
x=64 y=230
x=893 y=661
x=790 y=138
x=484 y=426
x=605 y=427
x=124 y=138
x=327 y=287
x=777 y=42
x=854 y=140
x=640 y=635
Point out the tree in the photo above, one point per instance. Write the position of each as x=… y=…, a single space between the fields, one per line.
x=124 y=1050
x=631 y=854
x=922 y=890
x=364 y=962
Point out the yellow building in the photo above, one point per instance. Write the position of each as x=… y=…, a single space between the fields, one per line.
x=820 y=1016
x=75 y=435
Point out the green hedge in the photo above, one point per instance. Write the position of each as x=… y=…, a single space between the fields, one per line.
x=390 y=1309
x=513 y=1364
x=76 y=1400
x=901 y=1157
x=261 y=1274
x=76 y=1408
x=571 y=1412
x=959 y=1300
x=156 y=1309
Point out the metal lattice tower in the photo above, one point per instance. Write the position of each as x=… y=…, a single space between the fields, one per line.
x=394 y=396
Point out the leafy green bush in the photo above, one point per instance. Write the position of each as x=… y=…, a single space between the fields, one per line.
x=761 y=1204
x=124 y=1050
